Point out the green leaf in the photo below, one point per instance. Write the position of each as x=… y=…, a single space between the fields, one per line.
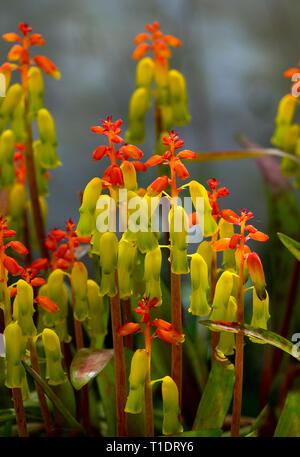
x=240 y=154
x=216 y=397
x=87 y=364
x=289 y=420
x=53 y=397
x=292 y=245
x=265 y=336
x=216 y=433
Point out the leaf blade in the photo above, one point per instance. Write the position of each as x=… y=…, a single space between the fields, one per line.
x=87 y=364
x=292 y=245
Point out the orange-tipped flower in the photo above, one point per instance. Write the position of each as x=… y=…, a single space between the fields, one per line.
x=170 y=336
x=181 y=170
x=257 y=274
x=47 y=66
x=154 y=160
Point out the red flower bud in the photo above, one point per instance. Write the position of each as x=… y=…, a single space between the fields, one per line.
x=100 y=152
x=221 y=244
x=187 y=154
x=38 y=282
x=62 y=264
x=58 y=234
x=47 y=66
x=129 y=150
x=259 y=236
x=9 y=233
x=172 y=41
x=229 y=216
x=234 y=240
x=170 y=336
x=140 y=51
x=36 y=39
x=193 y=219
x=39 y=264
x=139 y=166
x=141 y=37
x=162 y=325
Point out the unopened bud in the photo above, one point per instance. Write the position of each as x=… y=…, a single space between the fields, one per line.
x=144 y=73
x=11 y=100
x=36 y=90
x=286 y=109
x=257 y=275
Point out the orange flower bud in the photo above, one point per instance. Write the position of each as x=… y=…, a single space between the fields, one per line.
x=193 y=219
x=100 y=152
x=221 y=244
x=187 y=154
x=158 y=186
x=230 y=216
x=259 y=236
x=172 y=41
x=15 y=52
x=234 y=240
x=128 y=329
x=154 y=160
x=257 y=275
x=47 y=66
x=141 y=37
x=38 y=282
x=11 y=265
x=18 y=247
x=9 y=233
x=129 y=150
x=140 y=51
x=11 y=37
x=46 y=304
x=181 y=170
x=170 y=336
x=162 y=325
x=36 y=39
x=40 y=264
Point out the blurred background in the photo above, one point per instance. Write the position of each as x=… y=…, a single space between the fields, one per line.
x=233 y=56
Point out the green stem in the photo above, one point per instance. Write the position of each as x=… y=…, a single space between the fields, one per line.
x=120 y=372
x=148 y=387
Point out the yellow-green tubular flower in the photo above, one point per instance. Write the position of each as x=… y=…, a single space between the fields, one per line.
x=54 y=370
x=96 y=323
x=144 y=73
x=199 y=191
x=221 y=298
x=207 y=252
x=17 y=122
x=36 y=90
x=171 y=411
x=166 y=114
x=55 y=291
x=138 y=106
x=260 y=314
x=178 y=221
x=108 y=248
x=17 y=201
x=11 y=100
x=25 y=309
x=91 y=195
x=286 y=109
x=40 y=171
x=138 y=371
x=126 y=258
x=227 y=340
x=178 y=95
x=152 y=274
x=15 y=344
x=200 y=286
x=79 y=277
x=226 y=231
x=46 y=127
x=7 y=150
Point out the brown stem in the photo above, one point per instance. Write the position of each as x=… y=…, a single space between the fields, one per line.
x=127 y=317
x=33 y=189
x=239 y=357
x=177 y=325
x=49 y=427
x=120 y=373
x=20 y=412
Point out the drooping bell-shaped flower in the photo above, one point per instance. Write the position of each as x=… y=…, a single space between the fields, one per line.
x=171 y=411
x=257 y=275
x=54 y=370
x=108 y=248
x=25 y=310
x=226 y=343
x=15 y=344
x=223 y=292
x=200 y=286
x=178 y=221
x=96 y=320
x=260 y=314
x=138 y=371
x=79 y=277
x=202 y=205
x=126 y=258
x=152 y=272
